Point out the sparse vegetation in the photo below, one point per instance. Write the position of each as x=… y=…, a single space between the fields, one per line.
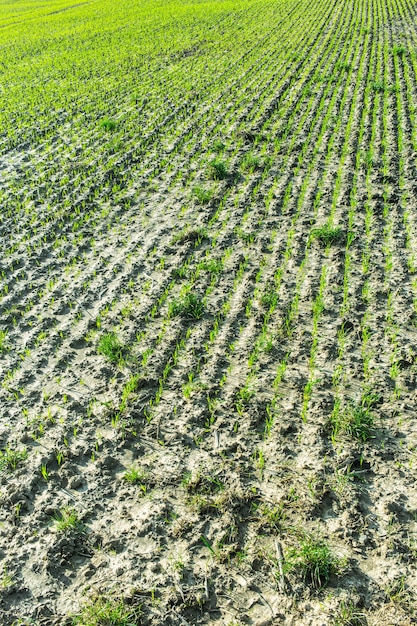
x=208 y=311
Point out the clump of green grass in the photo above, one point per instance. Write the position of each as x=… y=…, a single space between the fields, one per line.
x=327 y=235
x=190 y=305
x=269 y=299
x=139 y=477
x=271 y=516
x=348 y=615
x=108 y=612
x=218 y=169
x=111 y=347
x=355 y=420
x=133 y=475
x=68 y=520
x=313 y=560
x=10 y=458
x=343 y=66
x=399 y=50
x=218 y=146
x=108 y=125
x=250 y=163
x=195 y=234
x=212 y=266
x=378 y=86
x=202 y=195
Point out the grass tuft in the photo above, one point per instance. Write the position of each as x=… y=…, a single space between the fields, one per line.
x=202 y=195
x=10 y=458
x=195 y=235
x=191 y=305
x=218 y=169
x=68 y=520
x=108 y=612
x=313 y=561
x=355 y=420
x=108 y=125
x=111 y=347
x=327 y=235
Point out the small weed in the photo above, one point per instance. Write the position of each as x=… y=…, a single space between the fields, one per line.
x=398 y=592
x=218 y=170
x=111 y=347
x=204 y=484
x=399 y=50
x=68 y=520
x=202 y=195
x=355 y=420
x=218 y=146
x=348 y=615
x=327 y=235
x=378 y=86
x=11 y=458
x=271 y=516
x=6 y=580
x=108 y=125
x=269 y=299
x=250 y=163
x=181 y=272
x=208 y=545
x=191 y=305
x=136 y=476
x=313 y=560
x=246 y=237
x=195 y=235
x=108 y=612
x=343 y=66
x=212 y=266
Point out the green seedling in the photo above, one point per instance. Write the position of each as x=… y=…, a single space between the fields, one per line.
x=44 y=472
x=3 y=340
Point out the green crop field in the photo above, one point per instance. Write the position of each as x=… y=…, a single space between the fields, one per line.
x=208 y=313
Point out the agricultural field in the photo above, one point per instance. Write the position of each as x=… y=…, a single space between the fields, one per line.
x=208 y=312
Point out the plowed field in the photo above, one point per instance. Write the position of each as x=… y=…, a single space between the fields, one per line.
x=208 y=314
